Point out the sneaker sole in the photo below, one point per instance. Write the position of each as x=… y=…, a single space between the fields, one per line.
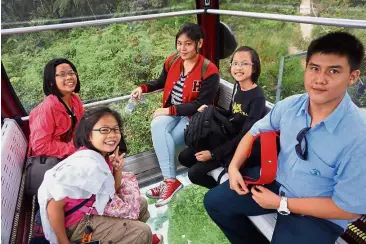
x=166 y=201
x=152 y=197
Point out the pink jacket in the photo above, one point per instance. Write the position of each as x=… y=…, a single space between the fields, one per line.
x=48 y=121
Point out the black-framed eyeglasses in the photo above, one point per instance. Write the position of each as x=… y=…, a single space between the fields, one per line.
x=64 y=75
x=240 y=64
x=107 y=130
x=302 y=152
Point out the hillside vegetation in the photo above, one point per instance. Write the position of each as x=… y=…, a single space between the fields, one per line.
x=112 y=60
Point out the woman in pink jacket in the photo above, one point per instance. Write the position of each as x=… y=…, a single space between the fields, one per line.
x=52 y=123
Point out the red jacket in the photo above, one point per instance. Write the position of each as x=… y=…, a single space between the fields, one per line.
x=197 y=90
x=48 y=122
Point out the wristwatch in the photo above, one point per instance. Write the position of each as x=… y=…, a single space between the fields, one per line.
x=283 y=209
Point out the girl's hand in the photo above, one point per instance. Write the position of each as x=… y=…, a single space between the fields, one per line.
x=161 y=111
x=203 y=156
x=136 y=94
x=203 y=107
x=117 y=160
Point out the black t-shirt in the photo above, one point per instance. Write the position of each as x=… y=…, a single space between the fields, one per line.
x=246 y=108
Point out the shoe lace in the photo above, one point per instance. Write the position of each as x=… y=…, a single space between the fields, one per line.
x=167 y=189
x=164 y=190
x=157 y=189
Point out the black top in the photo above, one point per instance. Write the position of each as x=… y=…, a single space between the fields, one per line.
x=246 y=108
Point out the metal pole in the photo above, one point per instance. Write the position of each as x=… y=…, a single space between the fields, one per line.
x=280 y=73
x=279 y=82
x=361 y=24
x=350 y=23
x=209 y=24
x=97 y=22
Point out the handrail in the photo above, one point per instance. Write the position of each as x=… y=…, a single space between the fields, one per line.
x=103 y=102
x=40 y=28
x=350 y=23
x=106 y=101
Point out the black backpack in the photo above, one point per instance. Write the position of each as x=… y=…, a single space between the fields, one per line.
x=207 y=130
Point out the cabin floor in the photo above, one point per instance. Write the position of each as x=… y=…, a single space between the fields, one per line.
x=184 y=220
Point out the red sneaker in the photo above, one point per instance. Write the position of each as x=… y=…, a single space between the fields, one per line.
x=168 y=190
x=155 y=192
x=157 y=239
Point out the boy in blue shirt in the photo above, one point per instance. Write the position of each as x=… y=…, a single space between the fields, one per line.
x=320 y=182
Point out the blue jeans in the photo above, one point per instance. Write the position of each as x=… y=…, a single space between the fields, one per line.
x=167 y=135
x=230 y=210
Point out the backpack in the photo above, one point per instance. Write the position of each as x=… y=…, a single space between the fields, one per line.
x=208 y=129
x=205 y=64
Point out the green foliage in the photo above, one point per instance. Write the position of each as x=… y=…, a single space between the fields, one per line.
x=256 y=33
x=263 y=6
x=292 y=82
x=112 y=60
x=188 y=220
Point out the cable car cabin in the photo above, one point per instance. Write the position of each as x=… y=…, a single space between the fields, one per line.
x=17 y=212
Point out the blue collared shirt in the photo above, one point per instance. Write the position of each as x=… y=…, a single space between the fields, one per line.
x=336 y=164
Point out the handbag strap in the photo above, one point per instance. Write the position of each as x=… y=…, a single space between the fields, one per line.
x=269 y=157
x=72 y=117
x=233 y=95
x=77 y=207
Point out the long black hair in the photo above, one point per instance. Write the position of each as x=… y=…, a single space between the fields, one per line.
x=193 y=31
x=49 y=77
x=87 y=123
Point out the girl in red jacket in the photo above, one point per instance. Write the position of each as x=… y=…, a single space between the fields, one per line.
x=188 y=82
x=53 y=121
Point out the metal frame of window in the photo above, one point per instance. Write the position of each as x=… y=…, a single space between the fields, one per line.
x=349 y=23
x=204 y=19
x=208 y=17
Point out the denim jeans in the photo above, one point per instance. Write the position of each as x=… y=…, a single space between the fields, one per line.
x=167 y=135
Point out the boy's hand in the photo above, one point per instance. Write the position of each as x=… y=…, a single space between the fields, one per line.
x=237 y=182
x=265 y=198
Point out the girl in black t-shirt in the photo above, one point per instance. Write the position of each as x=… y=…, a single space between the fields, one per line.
x=247 y=107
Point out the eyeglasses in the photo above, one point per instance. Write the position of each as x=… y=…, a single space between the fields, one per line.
x=237 y=64
x=302 y=153
x=107 y=130
x=64 y=75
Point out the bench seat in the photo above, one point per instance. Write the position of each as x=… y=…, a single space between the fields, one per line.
x=266 y=224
